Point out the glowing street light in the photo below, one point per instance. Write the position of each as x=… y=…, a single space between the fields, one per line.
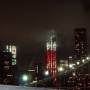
x=83 y=60
x=74 y=74
x=46 y=73
x=60 y=69
x=71 y=66
x=25 y=78
x=78 y=63
x=87 y=58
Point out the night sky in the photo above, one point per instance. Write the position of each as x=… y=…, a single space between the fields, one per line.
x=27 y=24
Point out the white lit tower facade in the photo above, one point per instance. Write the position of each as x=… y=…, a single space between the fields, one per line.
x=9 y=65
x=13 y=51
x=51 y=55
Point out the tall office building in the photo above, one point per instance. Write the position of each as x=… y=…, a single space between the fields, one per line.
x=13 y=51
x=8 y=64
x=6 y=69
x=51 y=55
x=80 y=43
x=79 y=79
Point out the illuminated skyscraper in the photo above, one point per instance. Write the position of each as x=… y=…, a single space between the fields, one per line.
x=13 y=51
x=80 y=43
x=51 y=55
x=8 y=65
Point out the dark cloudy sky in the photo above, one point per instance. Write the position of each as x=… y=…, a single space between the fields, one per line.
x=27 y=24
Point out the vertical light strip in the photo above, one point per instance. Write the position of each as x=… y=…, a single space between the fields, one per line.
x=51 y=57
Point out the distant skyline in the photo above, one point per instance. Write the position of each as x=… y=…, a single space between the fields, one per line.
x=28 y=23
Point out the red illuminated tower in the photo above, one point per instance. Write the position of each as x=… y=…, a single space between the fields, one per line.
x=51 y=55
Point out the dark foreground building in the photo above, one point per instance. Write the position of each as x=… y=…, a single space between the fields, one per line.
x=7 y=72
x=80 y=43
x=79 y=79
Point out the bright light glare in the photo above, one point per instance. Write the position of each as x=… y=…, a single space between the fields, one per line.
x=60 y=69
x=24 y=77
x=46 y=73
x=78 y=63
x=71 y=65
x=33 y=82
x=74 y=74
x=83 y=60
x=87 y=58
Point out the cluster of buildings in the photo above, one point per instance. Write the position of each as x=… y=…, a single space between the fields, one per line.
x=79 y=53
x=79 y=79
x=47 y=74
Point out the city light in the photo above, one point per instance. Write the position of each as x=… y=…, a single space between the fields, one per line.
x=71 y=66
x=24 y=77
x=83 y=60
x=74 y=74
x=87 y=58
x=60 y=69
x=78 y=63
x=33 y=82
x=46 y=73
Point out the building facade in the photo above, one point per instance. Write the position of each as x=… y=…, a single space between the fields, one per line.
x=6 y=69
x=79 y=79
x=51 y=56
x=80 y=43
x=13 y=50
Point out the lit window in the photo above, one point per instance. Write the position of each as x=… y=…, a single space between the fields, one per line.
x=48 y=46
x=54 y=46
x=13 y=61
x=10 y=49
x=7 y=48
x=13 y=49
x=14 y=56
